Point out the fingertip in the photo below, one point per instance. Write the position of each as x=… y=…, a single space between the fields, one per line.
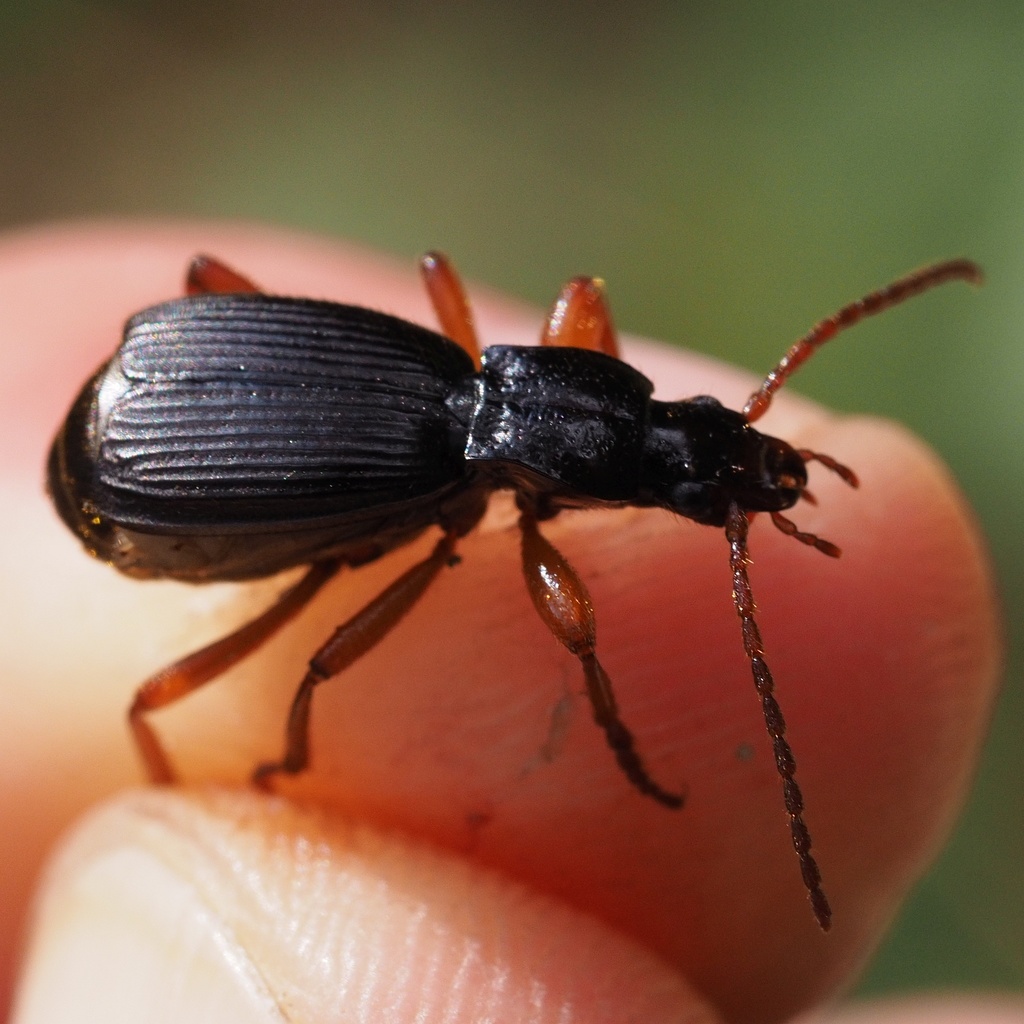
x=220 y=905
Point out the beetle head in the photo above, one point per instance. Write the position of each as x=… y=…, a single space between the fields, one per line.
x=700 y=457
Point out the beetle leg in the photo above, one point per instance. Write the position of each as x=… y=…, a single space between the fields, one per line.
x=205 y=275
x=195 y=670
x=349 y=642
x=562 y=601
x=580 y=318
x=450 y=303
x=736 y=527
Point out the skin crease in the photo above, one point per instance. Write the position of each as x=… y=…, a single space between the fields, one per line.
x=481 y=745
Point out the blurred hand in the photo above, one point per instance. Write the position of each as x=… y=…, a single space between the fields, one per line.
x=464 y=847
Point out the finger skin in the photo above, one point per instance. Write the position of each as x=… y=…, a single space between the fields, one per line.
x=231 y=905
x=466 y=727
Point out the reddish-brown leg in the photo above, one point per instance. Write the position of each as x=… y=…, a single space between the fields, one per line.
x=562 y=601
x=891 y=295
x=205 y=274
x=450 y=303
x=736 y=528
x=580 y=318
x=349 y=642
x=197 y=669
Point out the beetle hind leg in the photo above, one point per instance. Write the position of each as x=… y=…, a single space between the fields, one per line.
x=190 y=673
x=348 y=643
x=562 y=601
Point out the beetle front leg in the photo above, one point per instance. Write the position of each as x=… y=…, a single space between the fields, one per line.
x=200 y=667
x=349 y=642
x=562 y=601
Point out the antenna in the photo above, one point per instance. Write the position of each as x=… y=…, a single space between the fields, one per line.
x=876 y=302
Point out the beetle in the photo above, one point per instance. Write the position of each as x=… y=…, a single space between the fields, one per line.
x=236 y=434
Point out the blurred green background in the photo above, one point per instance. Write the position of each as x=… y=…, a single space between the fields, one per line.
x=734 y=170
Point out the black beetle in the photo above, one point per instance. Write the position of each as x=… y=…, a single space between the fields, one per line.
x=235 y=434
